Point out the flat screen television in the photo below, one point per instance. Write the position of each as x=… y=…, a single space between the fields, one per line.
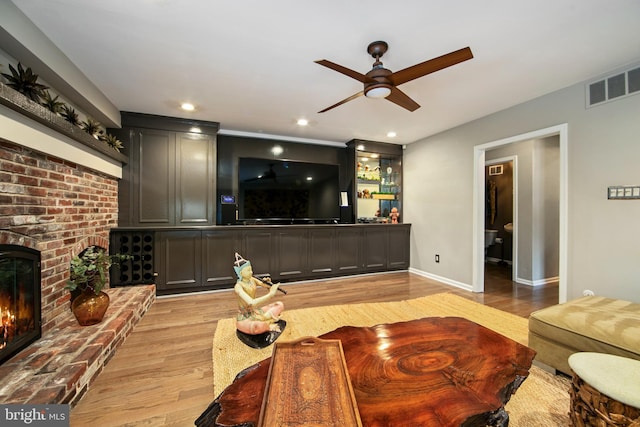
x=283 y=191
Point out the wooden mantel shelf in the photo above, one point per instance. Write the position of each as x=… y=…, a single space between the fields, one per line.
x=23 y=105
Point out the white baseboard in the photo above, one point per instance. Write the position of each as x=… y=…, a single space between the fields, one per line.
x=539 y=282
x=444 y=280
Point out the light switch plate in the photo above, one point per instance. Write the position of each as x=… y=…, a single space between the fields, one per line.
x=623 y=192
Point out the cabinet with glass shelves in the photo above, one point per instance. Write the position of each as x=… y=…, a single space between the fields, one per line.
x=378 y=180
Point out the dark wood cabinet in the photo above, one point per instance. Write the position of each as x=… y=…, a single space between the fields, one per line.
x=195 y=260
x=195 y=179
x=170 y=179
x=398 y=248
x=218 y=249
x=291 y=253
x=349 y=250
x=258 y=246
x=167 y=211
x=376 y=247
x=153 y=165
x=321 y=246
x=179 y=256
x=186 y=260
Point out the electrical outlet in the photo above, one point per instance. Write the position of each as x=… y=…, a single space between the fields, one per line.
x=437 y=258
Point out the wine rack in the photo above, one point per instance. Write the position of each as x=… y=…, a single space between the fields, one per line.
x=140 y=268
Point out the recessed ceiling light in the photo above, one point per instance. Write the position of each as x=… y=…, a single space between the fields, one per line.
x=195 y=129
x=303 y=122
x=391 y=134
x=187 y=106
x=276 y=150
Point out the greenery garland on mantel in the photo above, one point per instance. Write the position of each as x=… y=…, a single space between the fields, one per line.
x=20 y=103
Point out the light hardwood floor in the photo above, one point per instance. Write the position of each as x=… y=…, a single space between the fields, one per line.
x=162 y=375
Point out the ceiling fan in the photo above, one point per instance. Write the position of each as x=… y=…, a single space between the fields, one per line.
x=382 y=83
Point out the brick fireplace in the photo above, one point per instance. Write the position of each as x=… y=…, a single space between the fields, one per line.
x=60 y=208
x=57 y=208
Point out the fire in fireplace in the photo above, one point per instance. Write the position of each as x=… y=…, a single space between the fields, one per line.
x=19 y=299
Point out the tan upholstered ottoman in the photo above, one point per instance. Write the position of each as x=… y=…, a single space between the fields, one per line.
x=588 y=324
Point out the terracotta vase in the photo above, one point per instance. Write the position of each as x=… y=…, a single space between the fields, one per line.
x=90 y=308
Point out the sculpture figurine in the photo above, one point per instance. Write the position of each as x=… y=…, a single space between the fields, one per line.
x=395 y=215
x=258 y=322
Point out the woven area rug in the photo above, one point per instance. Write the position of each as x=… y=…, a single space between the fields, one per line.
x=543 y=398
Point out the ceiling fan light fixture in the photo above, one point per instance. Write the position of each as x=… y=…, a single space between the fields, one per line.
x=377 y=92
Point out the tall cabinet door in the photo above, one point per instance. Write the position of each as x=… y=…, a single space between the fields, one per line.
x=154 y=185
x=195 y=179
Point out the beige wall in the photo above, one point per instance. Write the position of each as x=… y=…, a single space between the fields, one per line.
x=602 y=248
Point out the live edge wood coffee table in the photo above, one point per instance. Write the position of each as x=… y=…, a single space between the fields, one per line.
x=436 y=371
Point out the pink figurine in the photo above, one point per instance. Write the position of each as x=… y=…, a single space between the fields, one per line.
x=394 y=215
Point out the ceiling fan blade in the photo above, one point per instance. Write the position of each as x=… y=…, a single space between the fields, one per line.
x=352 y=97
x=430 y=66
x=400 y=98
x=346 y=71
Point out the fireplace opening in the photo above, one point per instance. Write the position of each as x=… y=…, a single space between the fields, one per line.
x=19 y=299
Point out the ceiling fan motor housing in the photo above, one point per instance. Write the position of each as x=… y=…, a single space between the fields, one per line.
x=378 y=79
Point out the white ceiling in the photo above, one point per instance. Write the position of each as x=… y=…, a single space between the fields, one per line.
x=250 y=64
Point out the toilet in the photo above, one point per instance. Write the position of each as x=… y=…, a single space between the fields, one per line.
x=490 y=237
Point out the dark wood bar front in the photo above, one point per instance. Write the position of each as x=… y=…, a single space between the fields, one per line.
x=195 y=259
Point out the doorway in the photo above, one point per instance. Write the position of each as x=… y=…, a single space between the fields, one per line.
x=479 y=198
x=501 y=189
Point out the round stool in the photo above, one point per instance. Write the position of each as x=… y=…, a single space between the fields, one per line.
x=605 y=390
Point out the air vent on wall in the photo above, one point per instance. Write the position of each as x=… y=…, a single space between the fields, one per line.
x=616 y=86
x=495 y=170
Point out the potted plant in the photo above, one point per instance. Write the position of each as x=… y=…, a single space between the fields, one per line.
x=51 y=102
x=70 y=115
x=112 y=141
x=87 y=278
x=92 y=127
x=26 y=82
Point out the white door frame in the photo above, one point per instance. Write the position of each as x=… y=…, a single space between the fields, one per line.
x=562 y=131
x=514 y=212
